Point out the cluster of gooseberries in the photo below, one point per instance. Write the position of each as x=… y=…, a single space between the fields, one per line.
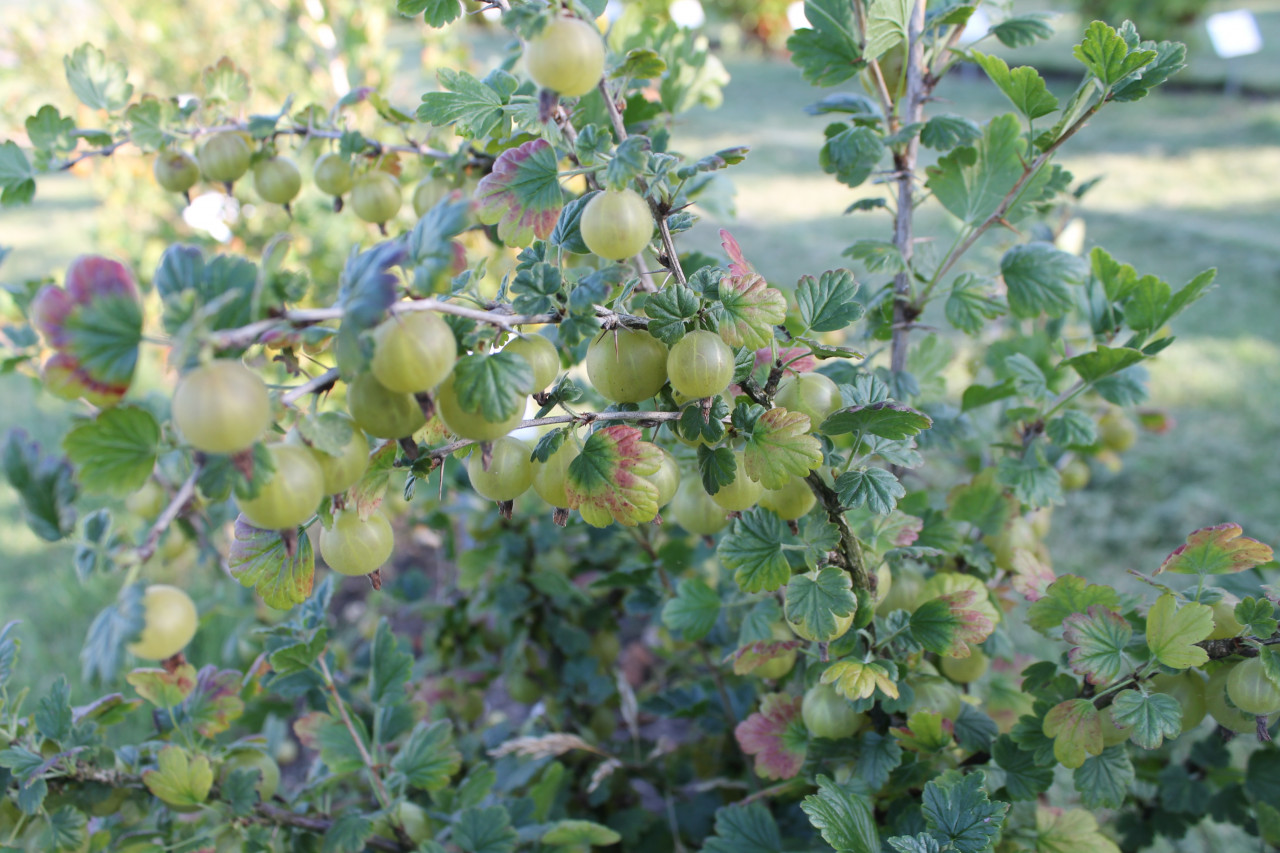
x=227 y=156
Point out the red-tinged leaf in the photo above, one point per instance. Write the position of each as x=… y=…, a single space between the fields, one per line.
x=972 y=624
x=307 y=728
x=779 y=448
x=925 y=731
x=215 y=703
x=752 y=655
x=94 y=324
x=776 y=736
x=1217 y=550
x=797 y=360
x=738 y=264
x=1031 y=578
x=1098 y=639
x=162 y=688
x=262 y=559
x=749 y=309
x=608 y=481
x=1076 y=730
x=522 y=195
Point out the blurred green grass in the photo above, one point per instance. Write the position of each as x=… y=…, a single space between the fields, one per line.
x=1187 y=186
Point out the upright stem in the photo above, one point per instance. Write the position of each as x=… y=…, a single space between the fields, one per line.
x=383 y=799
x=905 y=165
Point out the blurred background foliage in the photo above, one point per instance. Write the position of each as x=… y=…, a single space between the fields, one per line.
x=1201 y=195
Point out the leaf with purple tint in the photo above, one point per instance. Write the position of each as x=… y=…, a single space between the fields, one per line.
x=94 y=323
x=776 y=736
x=608 y=481
x=522 y=195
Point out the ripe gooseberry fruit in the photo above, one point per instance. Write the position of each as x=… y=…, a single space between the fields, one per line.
x=1225 y=623
x=413 y=351
x=743 y=493
x=510 y=472
x=224 y=157
x=248 y=758
x=1188 y=688
x=549 y=477
x=411 y=816
x=616 y=224
x=427 y=194
x=169 y=623
x=375 y=197
x=933 y=693
x=792 y=501
x=1216 y=702
x=1252 y=690
x=667 y=478
x=277 y=180
x=695 y=511
x=1117 y=431
x=1075 y=474
x=381 y=412
x=1112 y=734
x=809 y=393
x=333 y=175
x=567 y=57
x=828 y=714
x=148 y=501
x=904 y=591
x=355 y=546
x=291 y=493
x=541 y=355
x=779 y=666
x=343 y=471
x=473 y=425
x=176 y=170
x=700 y=364
x=627 y=365
x=221 y=407
x=964 y=670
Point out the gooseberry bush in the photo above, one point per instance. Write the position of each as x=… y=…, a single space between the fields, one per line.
x=672 y=557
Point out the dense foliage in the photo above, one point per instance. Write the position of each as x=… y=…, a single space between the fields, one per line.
x=671 y=556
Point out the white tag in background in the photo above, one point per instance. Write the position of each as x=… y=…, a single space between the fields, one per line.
x=1234 y=33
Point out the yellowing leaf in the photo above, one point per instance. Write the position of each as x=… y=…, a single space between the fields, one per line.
x=780 y=447
x=180 y=779
x=925 y=731
x=162 y=688
x=1172 y=632
x=856 y=680
x=1070 y=831
x=608 y=482
x=1076 y=730
x=1217 y=550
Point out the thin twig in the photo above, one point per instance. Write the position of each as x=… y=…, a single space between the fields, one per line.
x=170 y=513
x=365 y=757
x=314 y=385
x=905 y=163
x=579 y=418
x=1005 y=203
